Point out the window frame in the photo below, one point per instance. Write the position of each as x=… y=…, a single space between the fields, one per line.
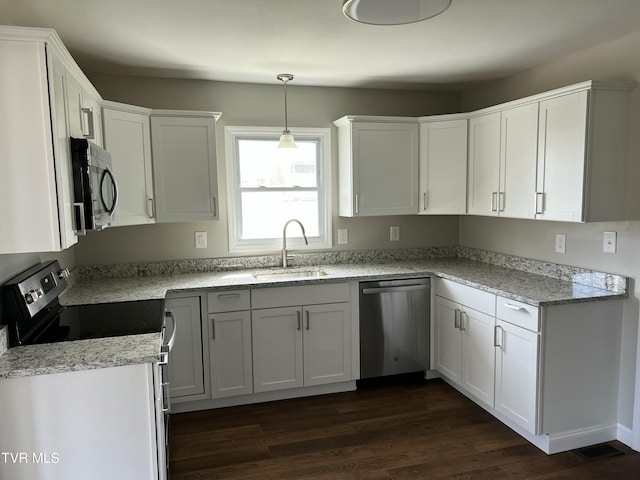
x=262 y=246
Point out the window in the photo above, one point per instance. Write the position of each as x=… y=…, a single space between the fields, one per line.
x=267 y=187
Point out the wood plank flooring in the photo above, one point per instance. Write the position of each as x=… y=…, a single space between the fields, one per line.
x=417 y=430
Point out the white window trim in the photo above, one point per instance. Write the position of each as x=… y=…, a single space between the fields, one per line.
x=325 y=240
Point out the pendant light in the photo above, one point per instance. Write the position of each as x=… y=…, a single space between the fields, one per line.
x=396 y=12
x=286 y=139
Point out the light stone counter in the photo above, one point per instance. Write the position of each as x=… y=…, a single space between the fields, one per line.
x=504 y=275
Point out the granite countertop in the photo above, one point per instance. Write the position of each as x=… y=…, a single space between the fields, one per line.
x=517 y=284
x=531 y=288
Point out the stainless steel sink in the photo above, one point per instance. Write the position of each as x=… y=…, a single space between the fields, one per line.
x=284 y=274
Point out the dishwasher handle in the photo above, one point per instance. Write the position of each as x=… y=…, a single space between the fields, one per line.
x=396 y=289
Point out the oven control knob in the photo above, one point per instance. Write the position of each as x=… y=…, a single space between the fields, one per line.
x=33 y=295
x=64 y=273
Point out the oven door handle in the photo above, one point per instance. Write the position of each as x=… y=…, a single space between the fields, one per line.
x=167 y=347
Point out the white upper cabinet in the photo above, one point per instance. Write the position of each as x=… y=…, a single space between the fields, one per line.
x=443 y=165
x=378 y=165
x=582 y=153
x=184 y=165
x=127 y=137
x=35 y=170
x=502 y=162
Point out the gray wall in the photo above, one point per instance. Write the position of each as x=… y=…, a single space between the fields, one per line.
x=616 y=60
x=251 y=104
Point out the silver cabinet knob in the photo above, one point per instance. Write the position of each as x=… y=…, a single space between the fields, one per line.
x=64 y=273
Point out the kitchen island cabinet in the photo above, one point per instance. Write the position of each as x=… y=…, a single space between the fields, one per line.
x=99 y=424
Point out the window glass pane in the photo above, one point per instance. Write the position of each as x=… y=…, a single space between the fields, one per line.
x=261 y=164
x=265 y=213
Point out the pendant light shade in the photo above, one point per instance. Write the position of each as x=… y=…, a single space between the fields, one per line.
x=286 y=139
x=395 y=12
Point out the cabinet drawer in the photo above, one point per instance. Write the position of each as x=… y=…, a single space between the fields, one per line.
x=518 y=313
x=228 y=301
x=300 y=295
x=471 y=297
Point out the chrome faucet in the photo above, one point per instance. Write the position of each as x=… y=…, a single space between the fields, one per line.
x=285 y=258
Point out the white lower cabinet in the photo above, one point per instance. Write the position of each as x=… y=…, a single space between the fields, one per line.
x=517 y=374
x=99 y=424
x=301 y=345
x=230 y=355
x=186 y=366
x=465 y=352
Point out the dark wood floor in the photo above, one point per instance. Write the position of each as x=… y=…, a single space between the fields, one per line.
x=422 y=430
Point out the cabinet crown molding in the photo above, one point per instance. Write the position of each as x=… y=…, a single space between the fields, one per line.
x=185 y=113
x=373 y=119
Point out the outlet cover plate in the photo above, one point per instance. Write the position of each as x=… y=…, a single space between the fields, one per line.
x=394 y=233
x=343 y=236
x=201 y=239
x=609 y=242
x=561 y=243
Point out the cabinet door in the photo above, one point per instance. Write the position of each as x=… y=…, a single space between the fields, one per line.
x=561 y=157
x=517 y=374
x=443 y=167
x=127 y=137
x=186 y=372
x=230 y=354
x=448 y=344
x=385 y=166
x=184 y=168
x=518 y=156
x=277 y=348
x=478 y=354
x=484 y=163
x=327 y=343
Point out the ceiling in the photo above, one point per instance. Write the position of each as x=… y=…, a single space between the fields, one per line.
x=253 y=40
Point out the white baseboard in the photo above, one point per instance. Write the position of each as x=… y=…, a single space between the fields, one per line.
x=625 y=435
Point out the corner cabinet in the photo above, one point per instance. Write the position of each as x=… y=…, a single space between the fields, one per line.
x=184 y=165
x=443 y=165
x=127 y=137
x=34 y=141
x=378 y=166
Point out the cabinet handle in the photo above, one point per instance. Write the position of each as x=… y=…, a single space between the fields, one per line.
x=150 y=207
x=463 y=316
x=501 y=202
x=424 y=200
x=357 y=203
x=497 y=343
x=494 y=201
x=215 y=206
x=223 y=296
x=86 y=115
x=298 y=320
x=539 y=202
x=515 y=307
x=308 y=315
x=456 y=318
x=213 y=328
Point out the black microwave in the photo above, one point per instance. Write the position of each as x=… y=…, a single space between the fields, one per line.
x=95 y=191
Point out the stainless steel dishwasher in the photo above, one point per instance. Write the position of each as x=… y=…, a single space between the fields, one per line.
x=394 y=326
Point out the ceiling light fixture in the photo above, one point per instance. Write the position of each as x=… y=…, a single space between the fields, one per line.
x=286 y=139
x=396 y=12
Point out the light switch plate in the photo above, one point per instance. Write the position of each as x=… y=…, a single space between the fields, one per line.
x=394 y=233
x=201 y=239
x=561 y=243
x=343 y=236
x=609 y=242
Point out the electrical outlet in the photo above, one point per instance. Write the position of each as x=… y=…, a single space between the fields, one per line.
x=343 y=236
x=201 y=239
x=561 y=243
x=394 y=233
x=609 y=242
